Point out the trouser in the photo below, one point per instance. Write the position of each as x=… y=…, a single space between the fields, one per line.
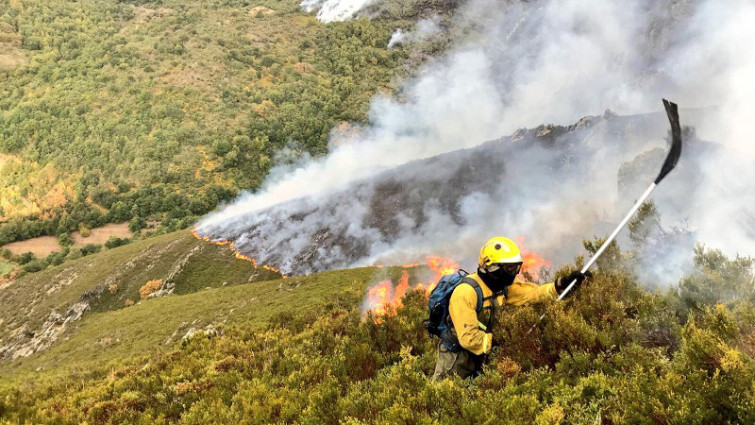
x=464 y=363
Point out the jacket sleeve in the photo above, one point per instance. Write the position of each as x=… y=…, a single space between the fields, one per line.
x=462 y=308
x=521 y=293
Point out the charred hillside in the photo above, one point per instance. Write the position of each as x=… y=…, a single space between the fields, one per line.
x=486 y=189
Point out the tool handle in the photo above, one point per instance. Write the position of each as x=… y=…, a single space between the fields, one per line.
x=611 y=237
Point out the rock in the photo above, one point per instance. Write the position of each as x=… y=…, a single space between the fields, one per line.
x=55 y=317
x=190 y=333
x=27 y=342
x=76 y=311
x=210 y=331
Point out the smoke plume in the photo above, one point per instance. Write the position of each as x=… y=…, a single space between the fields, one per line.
x=521 y=65
x=334 y=10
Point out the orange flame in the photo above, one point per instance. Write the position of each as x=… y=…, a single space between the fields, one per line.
x=440 y=266
x=383 y=299
x=236 y=252
x=379 y=297
x=531 y=261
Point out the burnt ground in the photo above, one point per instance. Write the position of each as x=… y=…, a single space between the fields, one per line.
x=351 y=225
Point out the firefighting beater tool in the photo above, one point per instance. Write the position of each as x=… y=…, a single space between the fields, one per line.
x=671 y=159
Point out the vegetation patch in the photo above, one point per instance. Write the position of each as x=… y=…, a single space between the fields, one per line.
x=100 y=235
x=256 y=353
x=6 y=267
x=27 y=189
x=40 y=247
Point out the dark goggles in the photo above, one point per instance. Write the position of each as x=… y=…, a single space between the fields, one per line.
x=512 y=269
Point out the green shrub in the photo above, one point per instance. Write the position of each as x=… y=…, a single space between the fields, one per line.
x=35 y=266
x=90 y=249
x=611 y=353
x=114 y=242
x=26 y=257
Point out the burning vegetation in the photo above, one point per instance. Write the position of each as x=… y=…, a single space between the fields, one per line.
x=533 y=263
x=237 y=253
x=385 y=298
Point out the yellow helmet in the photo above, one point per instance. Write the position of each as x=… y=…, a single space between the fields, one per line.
x=499 y=250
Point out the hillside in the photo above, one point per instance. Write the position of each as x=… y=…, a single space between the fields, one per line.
x=300 y=350
x=334 y=159
x=111 y=111
x=516 y=183
x=43 y=308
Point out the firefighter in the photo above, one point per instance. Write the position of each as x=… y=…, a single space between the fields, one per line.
x=499 y=264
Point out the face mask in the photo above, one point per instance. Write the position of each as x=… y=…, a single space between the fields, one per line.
x=499 y=276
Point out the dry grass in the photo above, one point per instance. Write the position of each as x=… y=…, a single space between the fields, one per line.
x=44 y=245
x=261 y=10
x=142 y=14
x=11 y=55
x=41 y=246
x=100 y=235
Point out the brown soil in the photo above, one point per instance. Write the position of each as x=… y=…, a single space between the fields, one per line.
x=11 y=54
x=261 y=9
x=44 y=245
x=41 y=246
x=100 y=235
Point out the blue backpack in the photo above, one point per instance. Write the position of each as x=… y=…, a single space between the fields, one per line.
x=438 y=324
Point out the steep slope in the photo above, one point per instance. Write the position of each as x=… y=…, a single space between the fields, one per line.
x=303 y=353
x=40 y=308
x=521 y=184
x=157 y=324
x=153 y=107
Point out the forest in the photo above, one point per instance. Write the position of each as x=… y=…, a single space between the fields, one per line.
x=118 y=111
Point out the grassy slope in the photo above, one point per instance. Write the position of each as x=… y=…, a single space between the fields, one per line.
x=5 y=267
x=118 y=274
x=145 y=328
x=212 y=287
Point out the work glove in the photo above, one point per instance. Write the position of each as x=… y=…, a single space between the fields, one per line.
x=563 y=282
x=488 y=344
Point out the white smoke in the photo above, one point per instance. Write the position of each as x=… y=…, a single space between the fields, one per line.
x=433 y=122
x=425 y=29
x=530 y=63
x=398 y=37
x=719 y=60
x=334 y=10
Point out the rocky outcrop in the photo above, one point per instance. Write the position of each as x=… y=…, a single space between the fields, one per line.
x=26 y=339
x=169 y=284
x=25 y=342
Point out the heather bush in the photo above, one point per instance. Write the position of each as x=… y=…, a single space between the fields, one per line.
x=611 y=354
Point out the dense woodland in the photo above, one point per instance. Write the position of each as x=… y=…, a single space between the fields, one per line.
x=114 y=111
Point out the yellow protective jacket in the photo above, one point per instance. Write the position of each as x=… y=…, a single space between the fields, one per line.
x=463 y=305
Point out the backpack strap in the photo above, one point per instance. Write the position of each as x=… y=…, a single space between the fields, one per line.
x=481 y=300
x=476 y=286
